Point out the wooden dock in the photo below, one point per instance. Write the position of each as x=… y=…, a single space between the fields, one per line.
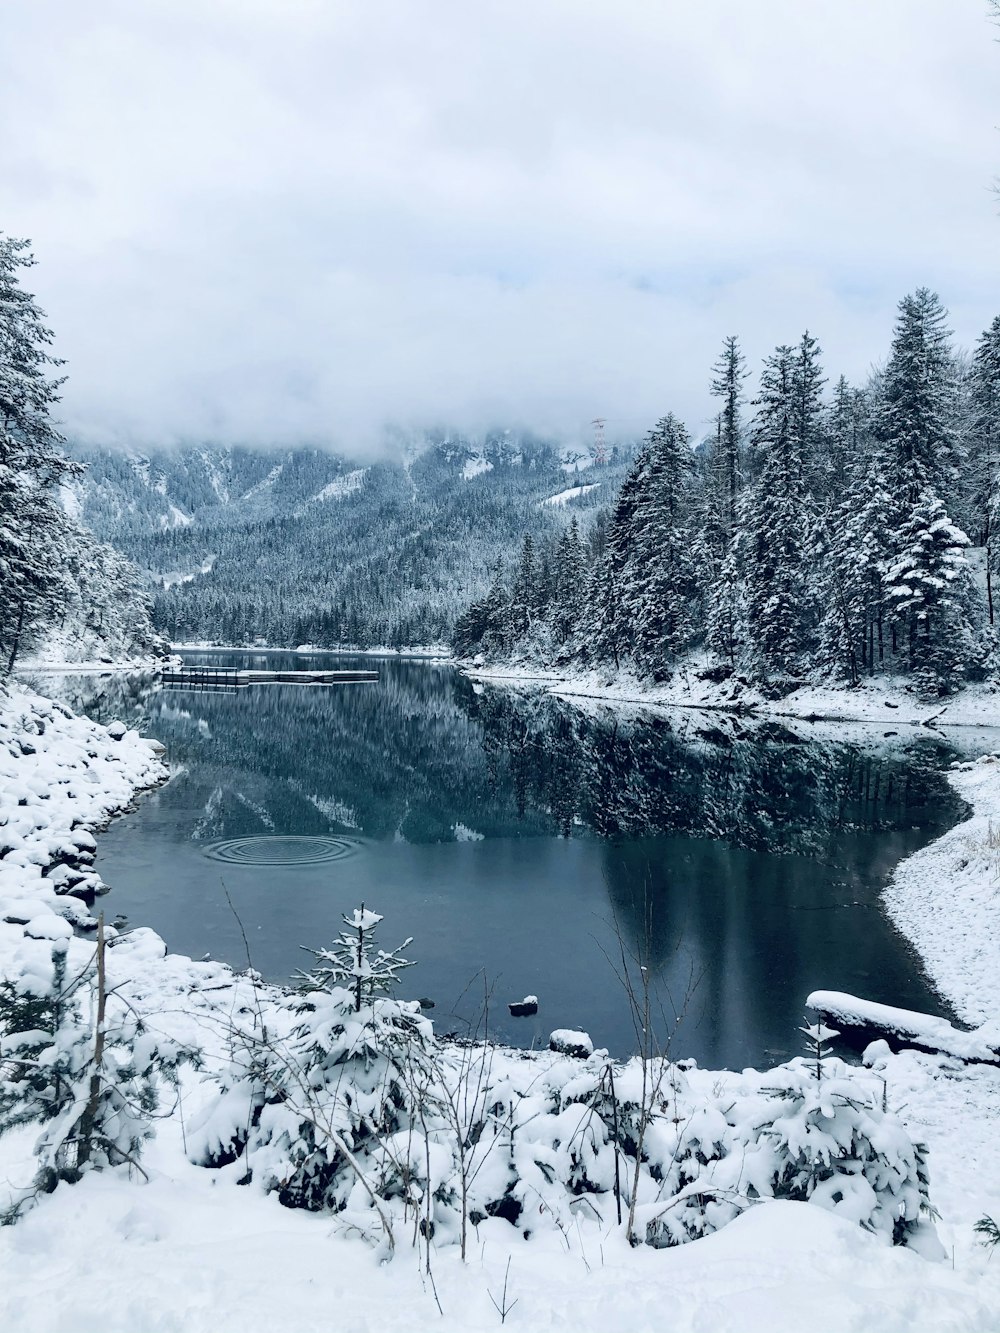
x=231 y=678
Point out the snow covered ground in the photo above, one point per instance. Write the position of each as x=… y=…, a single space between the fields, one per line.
x=884 y=701
x=440 y=652
x=191 y=1250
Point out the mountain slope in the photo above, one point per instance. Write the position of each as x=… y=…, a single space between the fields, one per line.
x=301 y=545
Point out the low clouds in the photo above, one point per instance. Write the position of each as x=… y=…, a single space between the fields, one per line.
x=293 y=221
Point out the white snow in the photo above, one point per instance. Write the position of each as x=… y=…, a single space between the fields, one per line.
x=475 y=466
x=172 y=579
x=462 y=833
x=265 y=483
x=192 y=1250
x=337 y=489
x=575 y=460
x=888 y=700
x=946 y=898
x=924 y=1030
x=175 y=518
x=337 y=811
x=573 y=493
x=70 y=501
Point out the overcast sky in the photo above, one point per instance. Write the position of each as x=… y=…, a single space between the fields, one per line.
x=285 y=220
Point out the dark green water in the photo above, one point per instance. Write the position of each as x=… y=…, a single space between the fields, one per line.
x=516 y=837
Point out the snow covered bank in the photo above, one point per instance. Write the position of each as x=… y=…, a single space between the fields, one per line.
x=886 y=701
x=946 y=899
x=438 y=651
x=37 y=664
x=195 y=1249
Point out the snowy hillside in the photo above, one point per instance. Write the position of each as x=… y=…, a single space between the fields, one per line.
x=303 y=546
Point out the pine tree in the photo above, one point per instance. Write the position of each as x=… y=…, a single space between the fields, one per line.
x=32 y=526
x=569 y=582
x=728 y=375
x=915 y=414
x=983 y=469
x=660 y=594
x=808 y=416
x=523 y=605
x=928 y=587
x=82 y=1066
x=774 y=524
x=609 y=633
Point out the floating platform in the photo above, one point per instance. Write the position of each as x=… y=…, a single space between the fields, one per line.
x=229 y=678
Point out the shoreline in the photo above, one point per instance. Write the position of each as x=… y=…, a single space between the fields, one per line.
x=886 y=702
x=440 y=653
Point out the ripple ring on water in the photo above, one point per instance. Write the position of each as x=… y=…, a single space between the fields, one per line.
x=281 y=850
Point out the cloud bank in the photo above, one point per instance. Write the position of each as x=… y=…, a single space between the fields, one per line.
x=304 y=220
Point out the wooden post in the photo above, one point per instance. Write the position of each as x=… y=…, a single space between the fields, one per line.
x=85 y=1138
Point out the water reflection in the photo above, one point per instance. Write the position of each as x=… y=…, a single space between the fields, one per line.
x=512 y=834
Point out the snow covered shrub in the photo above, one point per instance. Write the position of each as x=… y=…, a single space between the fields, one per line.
x=85 y=1068
x=788 y=1135
x=321 y=1096
x=342 y=1100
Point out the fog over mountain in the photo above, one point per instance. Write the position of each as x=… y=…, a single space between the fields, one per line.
x=287 y=222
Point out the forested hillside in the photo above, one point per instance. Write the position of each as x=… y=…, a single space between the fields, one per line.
x=825 y=531
x=301 y=546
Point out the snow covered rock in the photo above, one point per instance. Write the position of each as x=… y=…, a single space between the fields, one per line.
x=565 y=1041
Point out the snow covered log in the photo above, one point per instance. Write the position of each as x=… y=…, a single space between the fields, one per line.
x=863 y=1021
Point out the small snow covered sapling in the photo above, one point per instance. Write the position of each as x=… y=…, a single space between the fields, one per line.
x=351 y=961
x=318 y=1099
x=818 y=1036
x=988 y=1231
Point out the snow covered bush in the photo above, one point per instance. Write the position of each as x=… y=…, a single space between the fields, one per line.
x=787 y=1135
x=320 y=1094
x=85 y=1068
x=343 y=1101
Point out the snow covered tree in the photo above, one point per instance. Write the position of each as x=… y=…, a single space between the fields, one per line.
x=660 y=592
x=983 y=446
x=915 y=412
x=569 y=583
x=609 y=634
x=354 y=962
x=808 y=414
x=725 y=466
x=853 y=552
x=774 y=525
x=32 y=526
x=928 y=588
x=81 y=1065
x=523 y=603
x=315 y=1095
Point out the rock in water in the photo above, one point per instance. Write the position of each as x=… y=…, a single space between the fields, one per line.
x=524 y=1008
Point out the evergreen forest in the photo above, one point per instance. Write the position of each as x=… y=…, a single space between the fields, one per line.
x=824 y=530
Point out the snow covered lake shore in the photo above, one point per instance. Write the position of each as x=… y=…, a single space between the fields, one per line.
x=887 y=701
x=192 y=1249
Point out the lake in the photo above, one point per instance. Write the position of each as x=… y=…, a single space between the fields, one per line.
x=526 y=844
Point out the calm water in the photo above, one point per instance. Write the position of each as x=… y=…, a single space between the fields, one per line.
x=515 y=837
